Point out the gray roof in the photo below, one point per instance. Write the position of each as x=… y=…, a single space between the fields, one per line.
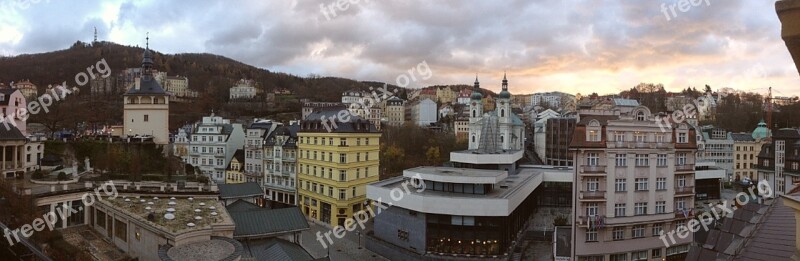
x=241 y=190
x=147 y=85
x=7 y=92
x=241 y=205
x=264 y=222
x=742 y=137
x=10 y=132
x=626 y=102
x=755 y=232
x=313 y=122
x=277 y=249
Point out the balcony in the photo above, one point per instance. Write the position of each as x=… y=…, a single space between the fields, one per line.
x=684 y=191
x=663 y=145
x=593 y=169
x=683 y=214
x=593 y=195
x=764 y=167
x=643 y=145
x=253 y=146
x=686 y=167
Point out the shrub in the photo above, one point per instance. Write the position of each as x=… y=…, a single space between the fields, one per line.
x=62 y=176
x=38 y=174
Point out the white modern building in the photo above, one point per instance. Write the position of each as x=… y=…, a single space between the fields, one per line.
x=212 y=144
x=421 y=112
x=243 y=89
x=718 y=147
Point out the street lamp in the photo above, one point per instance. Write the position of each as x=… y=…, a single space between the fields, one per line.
x=358 y=234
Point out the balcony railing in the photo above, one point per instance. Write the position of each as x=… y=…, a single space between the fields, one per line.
x=593 y=195
x=685 y=167
x=764 y=167
x=684 y=213
x=686 y=190
x=594 y=169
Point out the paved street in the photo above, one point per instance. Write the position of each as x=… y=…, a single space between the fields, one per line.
x=345 y=248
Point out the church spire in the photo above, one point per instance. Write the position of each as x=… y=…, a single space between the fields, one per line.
x=504 y=94
x=147 y=57
x=476 y=90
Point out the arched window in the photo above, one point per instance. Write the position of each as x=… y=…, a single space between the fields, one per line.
x=501 y=138
x=502 y=112
x=640 y=116
x=473 y=138
x=473 y=114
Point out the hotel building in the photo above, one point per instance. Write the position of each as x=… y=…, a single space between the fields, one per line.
x=632 y=181
x=336 y=161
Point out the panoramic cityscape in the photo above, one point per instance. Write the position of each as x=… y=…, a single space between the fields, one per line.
x=560 y=130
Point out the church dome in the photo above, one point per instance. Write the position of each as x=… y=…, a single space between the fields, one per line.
x=761 y=131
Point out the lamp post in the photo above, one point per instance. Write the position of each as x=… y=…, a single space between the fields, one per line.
x=358 y=234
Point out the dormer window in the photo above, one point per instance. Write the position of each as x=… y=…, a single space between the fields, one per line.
x=640 y=116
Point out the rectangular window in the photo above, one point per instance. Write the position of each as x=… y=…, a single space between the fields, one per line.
x=680 y=159
x=592 y=184
x=146 y=118
x=640 y=208
x=621 y=158
x=342 y=142
x=661 y=183
x=681 y=181
x=591 y=209
x=657 y=228
x=641 y=184
x=358 y=141
x=639 y=255
x=342 y=175
x=619 y=210
x=121 y=230
x=661 y=207
x=682 y=137
x=641 y=160
x=591 y=235
x=342 y=158
x=619 y=185
x=592 y=159
x=618 y=233
x=638 y=231
x=661 y=160
x=656 y=252
x=639 y=137
x=660 y=138
x=680 y=204
x=619 y=257
x=619 y=136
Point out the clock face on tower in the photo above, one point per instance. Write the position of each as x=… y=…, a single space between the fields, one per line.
x=502 y=103
x=473 y=103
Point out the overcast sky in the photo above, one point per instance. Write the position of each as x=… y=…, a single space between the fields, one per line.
x=566 y=45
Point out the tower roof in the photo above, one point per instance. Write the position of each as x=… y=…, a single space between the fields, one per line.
x=761 y=131
x=476 y=92
x=147 y=83
x=504 y=94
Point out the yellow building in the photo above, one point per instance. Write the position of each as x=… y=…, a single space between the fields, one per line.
x=746 y=147
x=335 y=163
x=446 y=95
x=234 y=174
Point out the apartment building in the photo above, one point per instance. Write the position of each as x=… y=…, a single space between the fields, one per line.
x=280 y=164
x=309 y=107
x=421 y=112
x=212 y=144
x=719 y=148
x=632 y=181
x=745 y=152
x=335 y=166
x=395 y=111
x=779 y=161
x=234 y=174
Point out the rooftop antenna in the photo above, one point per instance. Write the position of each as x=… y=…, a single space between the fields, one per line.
x=95 y=34
x=147 y=41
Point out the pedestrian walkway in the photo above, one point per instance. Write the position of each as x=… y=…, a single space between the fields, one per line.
x=345 y=248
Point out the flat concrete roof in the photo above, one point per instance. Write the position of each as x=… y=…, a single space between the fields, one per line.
x=457 y=175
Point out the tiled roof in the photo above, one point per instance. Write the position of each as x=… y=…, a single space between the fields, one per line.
x=755 y=232
x=277 y=249
x=264 y=222
x=241 y=190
